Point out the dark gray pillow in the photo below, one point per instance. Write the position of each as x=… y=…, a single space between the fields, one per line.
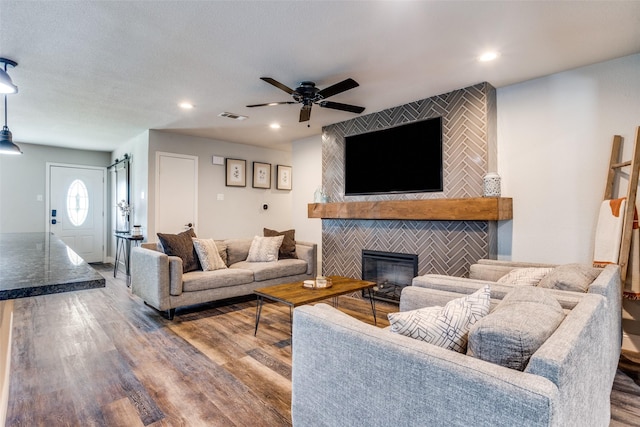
x=516 y=328
x=570 y=277
x=181 y=245
x=288 y=247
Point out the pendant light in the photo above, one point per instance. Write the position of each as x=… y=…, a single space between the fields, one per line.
x=6 y=85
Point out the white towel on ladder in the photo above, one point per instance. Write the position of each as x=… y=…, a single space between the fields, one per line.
x=609 y=232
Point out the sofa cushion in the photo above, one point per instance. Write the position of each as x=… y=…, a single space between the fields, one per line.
x=264 y=249
x=288 y=247
x=271 y=270
x=203 y=280
x=446 y=326
x=208 y=254
x=516 y=328
x=237 y=250
x=570 y=277
x=529 y=276
x=181 y=245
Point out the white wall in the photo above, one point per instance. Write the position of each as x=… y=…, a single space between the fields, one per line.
x=240 y=214
x=22 y=180
x=307 y=163
x=554 y=144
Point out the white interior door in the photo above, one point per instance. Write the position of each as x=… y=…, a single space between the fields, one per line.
x=176 y=192
x=75 y=201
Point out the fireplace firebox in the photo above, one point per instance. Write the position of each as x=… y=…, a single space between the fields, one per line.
x=391 y=271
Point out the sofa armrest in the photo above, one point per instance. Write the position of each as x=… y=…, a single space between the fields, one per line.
x=150 y=277
x=582 y=370
x=308 y=252
x=346 y=372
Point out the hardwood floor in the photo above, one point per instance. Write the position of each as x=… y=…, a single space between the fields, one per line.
x=102 y=358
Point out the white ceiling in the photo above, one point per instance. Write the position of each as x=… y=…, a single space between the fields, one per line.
x=93 y=74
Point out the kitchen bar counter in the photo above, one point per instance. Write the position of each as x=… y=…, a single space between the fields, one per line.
x=39 y=264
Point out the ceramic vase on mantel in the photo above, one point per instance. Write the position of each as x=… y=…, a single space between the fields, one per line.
x=491 y=185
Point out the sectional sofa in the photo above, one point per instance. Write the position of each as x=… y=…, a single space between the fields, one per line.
x=346 y=372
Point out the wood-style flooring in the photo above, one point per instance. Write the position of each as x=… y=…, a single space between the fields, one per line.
x=102 y=358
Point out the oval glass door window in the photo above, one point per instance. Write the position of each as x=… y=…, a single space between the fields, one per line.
x=77 y=203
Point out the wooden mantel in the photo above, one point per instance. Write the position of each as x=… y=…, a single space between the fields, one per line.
x=466 y=209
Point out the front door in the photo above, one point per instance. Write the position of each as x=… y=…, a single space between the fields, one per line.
x=76 y=208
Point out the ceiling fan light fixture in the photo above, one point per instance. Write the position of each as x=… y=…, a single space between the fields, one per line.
x=275 y=126
x=6 y=143
x=186 y=105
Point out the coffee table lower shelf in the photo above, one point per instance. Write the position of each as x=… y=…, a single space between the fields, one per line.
x=294 y=295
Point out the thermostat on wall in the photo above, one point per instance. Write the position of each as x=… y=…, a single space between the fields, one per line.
x=217 y=160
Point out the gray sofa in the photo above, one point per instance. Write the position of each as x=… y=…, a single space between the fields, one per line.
x=348 y=373
x=158 y=278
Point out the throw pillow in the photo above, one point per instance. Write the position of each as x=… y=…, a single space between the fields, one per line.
x=208 y=254
x=570 y=277
x=529 y=276
x=181 y=245
x=446 y=326
x=222 y=250
x=264 y=249
x=517 y=327
x=288 y=247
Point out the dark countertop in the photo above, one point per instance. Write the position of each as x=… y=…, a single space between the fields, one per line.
x=39 y=264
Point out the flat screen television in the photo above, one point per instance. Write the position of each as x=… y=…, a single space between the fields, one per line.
x=401 y=159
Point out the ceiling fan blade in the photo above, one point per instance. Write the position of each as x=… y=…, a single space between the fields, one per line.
x=278 y=85
x=271 y=103
x=305 y=113
x=338 y=88
x=343 y=107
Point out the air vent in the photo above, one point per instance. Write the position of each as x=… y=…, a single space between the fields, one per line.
x=233 y=116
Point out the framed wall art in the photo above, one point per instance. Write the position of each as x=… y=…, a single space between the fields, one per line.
x=236 y=173
x=261 y=175
x=283 y=181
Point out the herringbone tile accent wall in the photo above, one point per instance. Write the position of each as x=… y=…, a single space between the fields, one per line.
x=444 y=247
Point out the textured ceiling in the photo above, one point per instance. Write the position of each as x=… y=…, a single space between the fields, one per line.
x=93 y=74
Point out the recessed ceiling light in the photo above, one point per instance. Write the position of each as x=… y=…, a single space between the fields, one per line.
x=274 y=126
x=488 y=56
x=186 y=105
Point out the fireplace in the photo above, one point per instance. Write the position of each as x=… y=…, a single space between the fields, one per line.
x=390 y=270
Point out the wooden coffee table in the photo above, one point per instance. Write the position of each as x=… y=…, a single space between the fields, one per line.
x=294 y=295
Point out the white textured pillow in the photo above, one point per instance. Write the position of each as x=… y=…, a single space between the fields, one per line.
x=447 y=326
x=208 y=254
x=264 y=249
x=529 y=276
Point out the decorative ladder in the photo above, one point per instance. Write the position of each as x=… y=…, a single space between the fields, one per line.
x=615 y=165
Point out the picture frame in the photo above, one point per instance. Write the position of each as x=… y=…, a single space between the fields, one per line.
x=261 y=175
x=284 y=177
x=236 y=175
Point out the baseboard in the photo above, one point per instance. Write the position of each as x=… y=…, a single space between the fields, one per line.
x=109 y=260
x=631 y=342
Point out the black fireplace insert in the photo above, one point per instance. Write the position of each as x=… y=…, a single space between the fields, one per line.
x=391 y=271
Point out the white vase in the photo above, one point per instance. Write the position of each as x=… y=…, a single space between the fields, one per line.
x=491 y=185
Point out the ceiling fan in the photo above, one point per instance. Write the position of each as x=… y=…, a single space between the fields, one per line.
x=308 y=94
